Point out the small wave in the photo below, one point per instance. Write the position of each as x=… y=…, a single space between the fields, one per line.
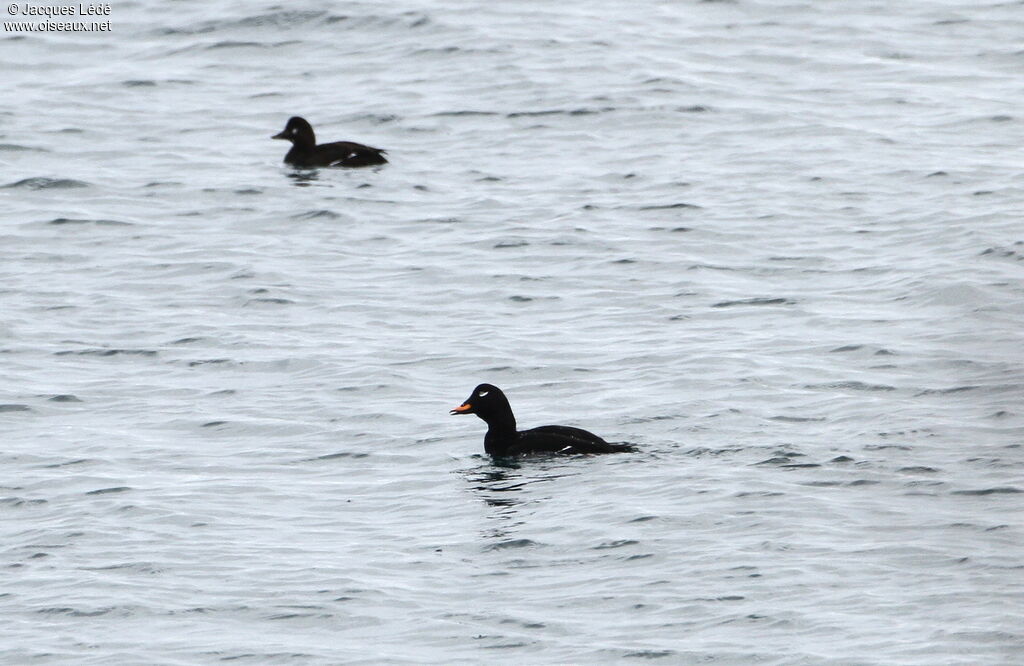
x=281 y=19
x=616 y=544
x=512 y=543
x=1003 y=490
x=107 y=352
x=679 y=205
x=340 y=454
x=229 y=44
x=67 y=610
x=293 y=616
x=853 y=386
x=208 y=361
x=436 y=50
x=1003 y=252
x=15 y=408
x=135 y=567
x=714 y=267
x=14 y=147
x=264 y=657
x=107 y=491
x=409 y=19
x=375 y=118
x=649 y=654
x=69 y=220
x=19 y=501
x=559 y=112
x=776 y=460
x=69 y=463
x=755 y=301
x=947 y=391
x=40 y=183
x=317 y=214
x=441 y=114
x=268 y=301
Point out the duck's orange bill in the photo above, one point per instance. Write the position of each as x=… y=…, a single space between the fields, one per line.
x=462 y=409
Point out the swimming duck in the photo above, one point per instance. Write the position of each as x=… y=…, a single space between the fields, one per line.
x=305 y=152
x=503 y=440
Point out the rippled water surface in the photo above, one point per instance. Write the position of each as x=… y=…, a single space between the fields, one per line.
x=777 y=245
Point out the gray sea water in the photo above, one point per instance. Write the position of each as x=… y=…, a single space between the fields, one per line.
x=778 y=245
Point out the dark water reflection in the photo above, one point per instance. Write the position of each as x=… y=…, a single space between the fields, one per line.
x=304 y=177
x=508 y=486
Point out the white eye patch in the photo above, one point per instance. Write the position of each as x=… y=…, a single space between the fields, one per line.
x=483 y=394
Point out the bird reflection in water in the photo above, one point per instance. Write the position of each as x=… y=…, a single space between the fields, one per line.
x=304 y=177
x=508 y=486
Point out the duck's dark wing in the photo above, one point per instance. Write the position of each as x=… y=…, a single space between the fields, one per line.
x=349 y=154
x=564 y=440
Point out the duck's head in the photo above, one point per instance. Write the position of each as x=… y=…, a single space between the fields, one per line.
x=298 y=131
x=486 y=401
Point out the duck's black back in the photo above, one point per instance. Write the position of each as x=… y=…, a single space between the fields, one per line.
x=553 y=439
x=339 y=153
